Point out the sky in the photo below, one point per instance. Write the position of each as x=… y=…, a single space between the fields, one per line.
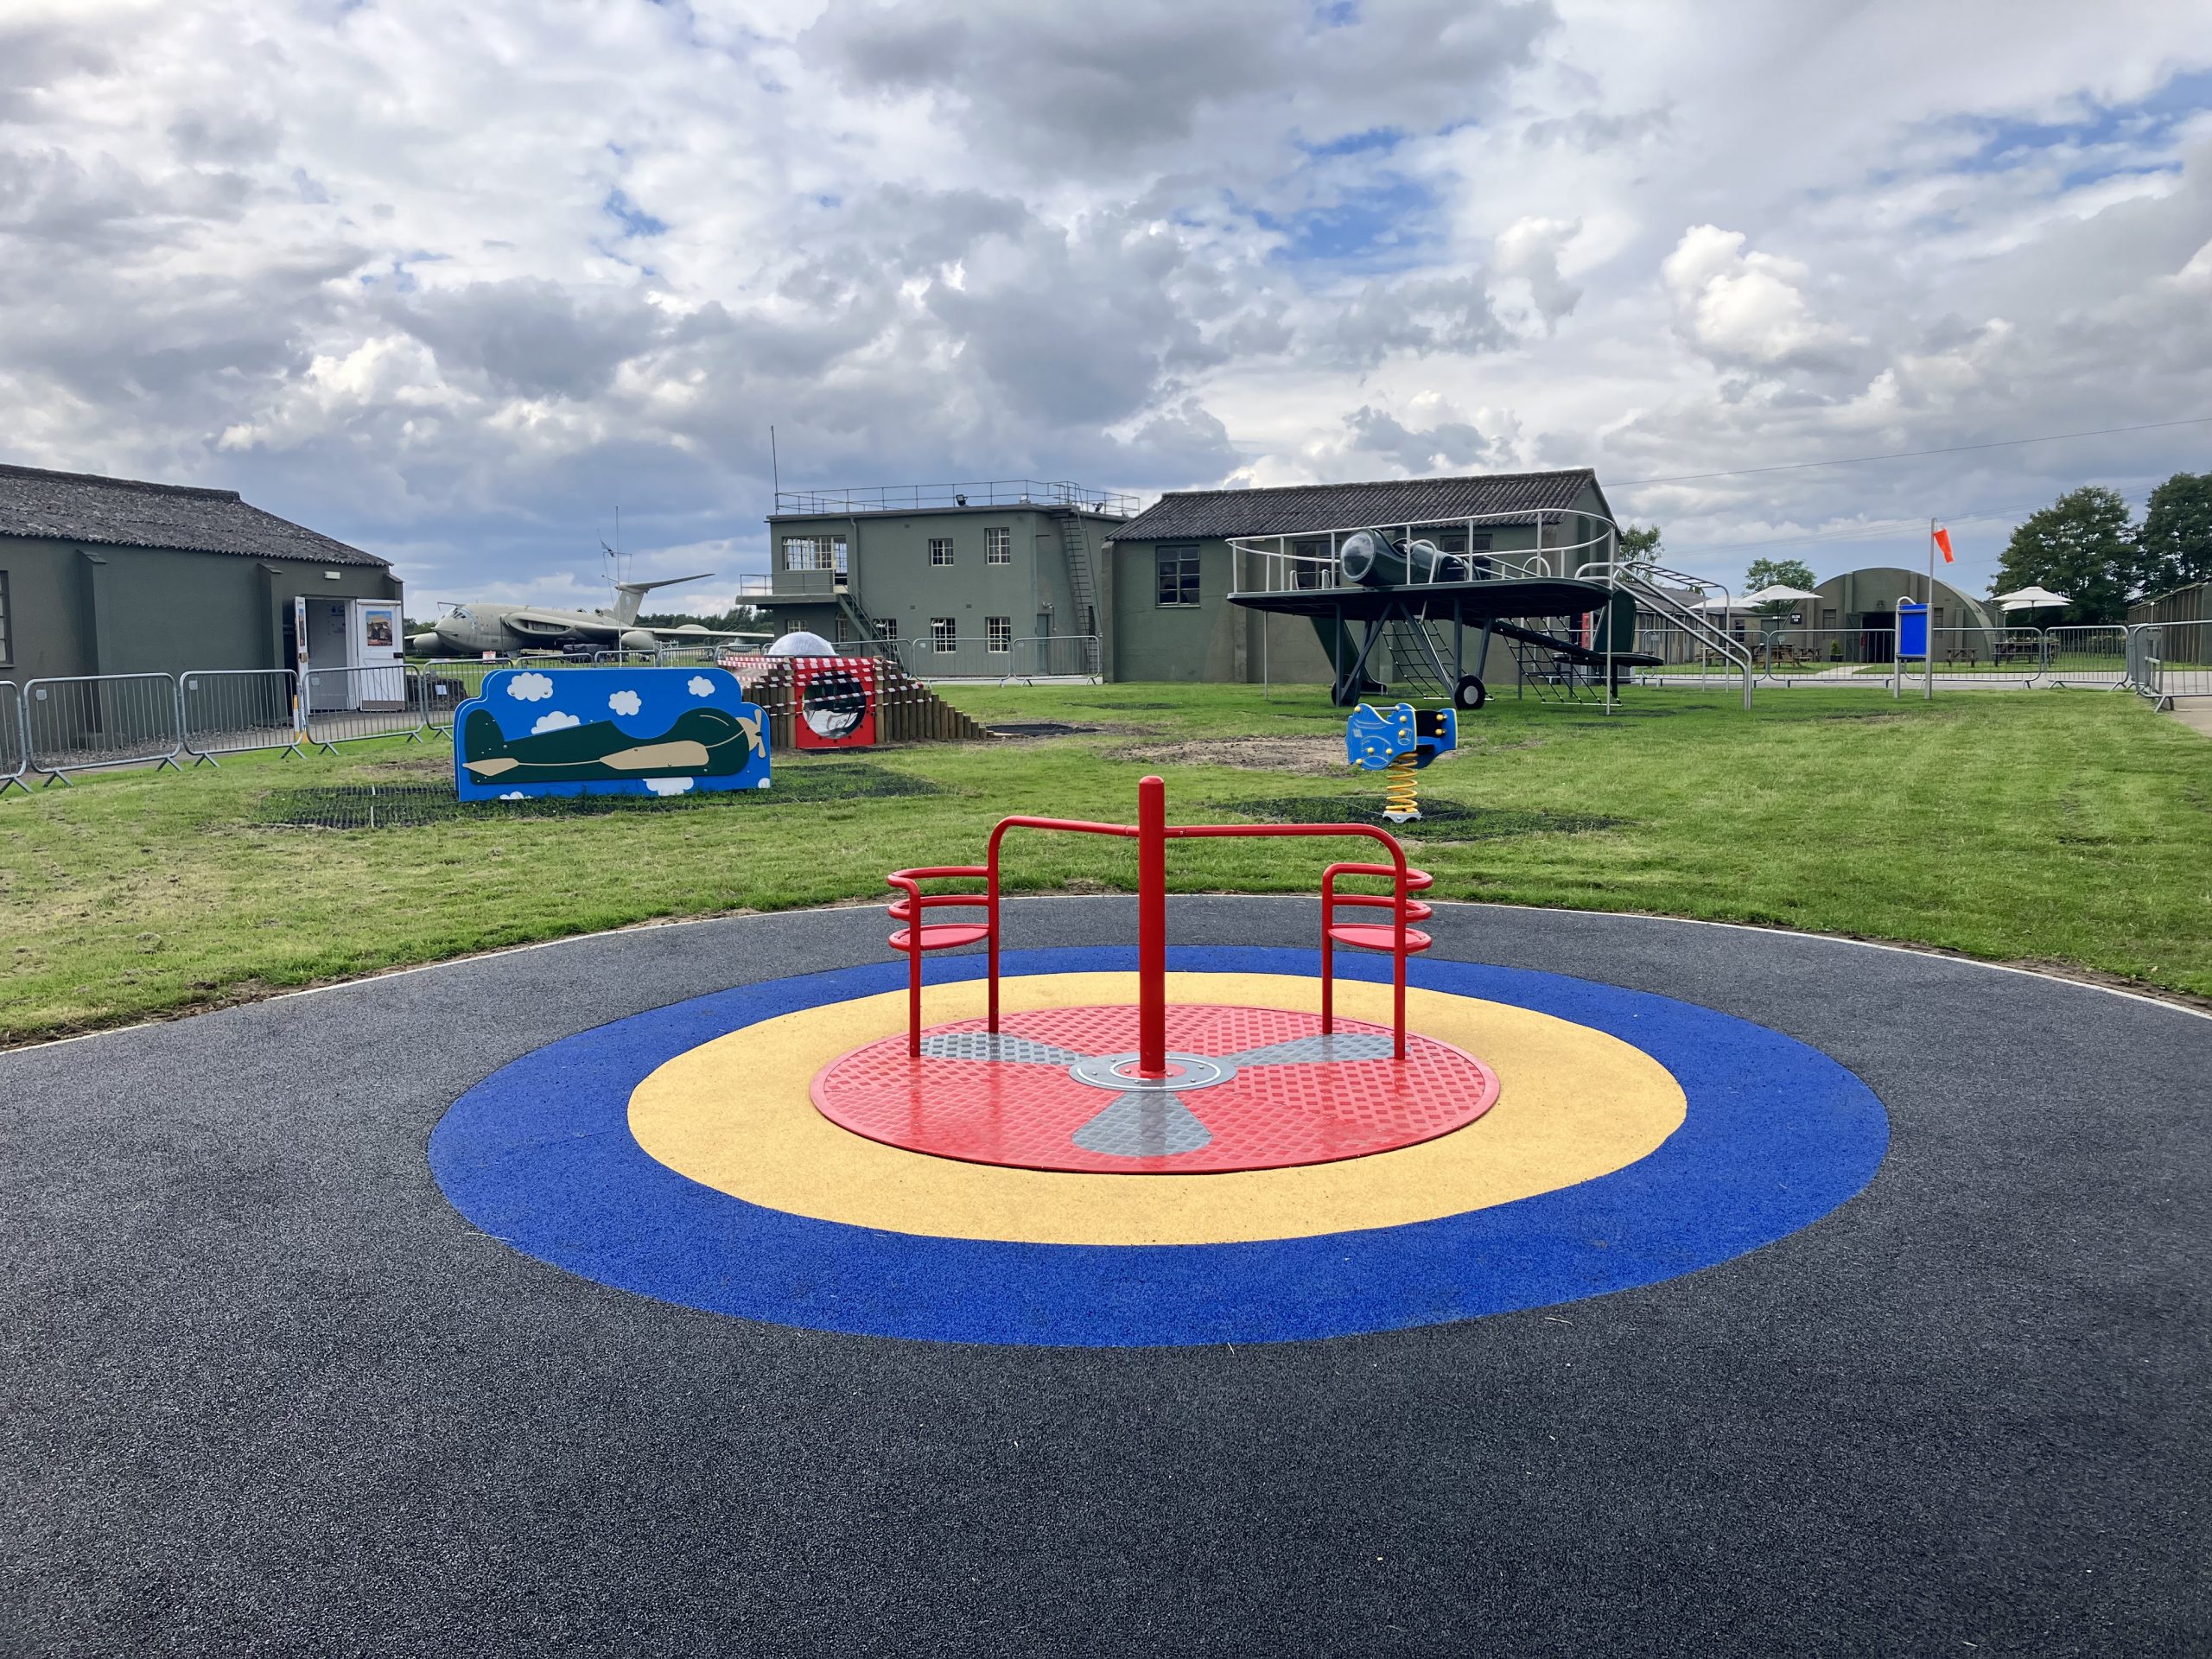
x=455 y=283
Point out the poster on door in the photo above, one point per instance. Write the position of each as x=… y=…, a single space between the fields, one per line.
x=837 y=702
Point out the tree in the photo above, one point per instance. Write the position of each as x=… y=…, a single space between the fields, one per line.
x=1640 y=544
x=1778 y=572
x=2082 y=546
x=2174 y=546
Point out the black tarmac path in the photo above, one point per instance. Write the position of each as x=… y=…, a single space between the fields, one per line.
x=265 y=1392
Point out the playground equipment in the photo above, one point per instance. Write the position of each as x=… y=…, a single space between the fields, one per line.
x=1292 y=1089
x=1401 y=742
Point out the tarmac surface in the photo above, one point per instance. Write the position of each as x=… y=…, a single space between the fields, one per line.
x=266 y=1392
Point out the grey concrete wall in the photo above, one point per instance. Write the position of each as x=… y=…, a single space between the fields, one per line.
x=89 y=609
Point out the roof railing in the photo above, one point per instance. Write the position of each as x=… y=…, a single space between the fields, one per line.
x=987 y=492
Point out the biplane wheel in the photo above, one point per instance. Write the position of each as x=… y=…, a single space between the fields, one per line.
x=1470 y=693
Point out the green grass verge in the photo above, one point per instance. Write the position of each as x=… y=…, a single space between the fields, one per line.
x=2055 y=827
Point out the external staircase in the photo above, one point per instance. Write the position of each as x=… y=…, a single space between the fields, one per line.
x=1075 y=549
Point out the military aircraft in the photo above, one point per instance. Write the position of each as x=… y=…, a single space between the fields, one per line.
x=473 y=630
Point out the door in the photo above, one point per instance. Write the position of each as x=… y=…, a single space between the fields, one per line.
x=380 y=682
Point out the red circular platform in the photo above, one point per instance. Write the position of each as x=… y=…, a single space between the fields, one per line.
x=1249 y=1089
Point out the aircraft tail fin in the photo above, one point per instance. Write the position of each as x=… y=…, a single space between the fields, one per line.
x=627 y=593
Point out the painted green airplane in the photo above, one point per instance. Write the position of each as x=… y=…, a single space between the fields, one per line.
x=700 y=743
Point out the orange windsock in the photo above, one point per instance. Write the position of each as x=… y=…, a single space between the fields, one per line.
x=1944 y=542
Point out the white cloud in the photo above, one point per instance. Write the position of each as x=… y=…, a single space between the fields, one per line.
x=514 y=795
x=531 y=688
x=624 y=702
x=555 y=721
x=670 y=785
x=1746 y=307
x=700 y=686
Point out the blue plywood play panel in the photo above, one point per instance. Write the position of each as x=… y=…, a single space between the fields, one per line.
x=608 y=731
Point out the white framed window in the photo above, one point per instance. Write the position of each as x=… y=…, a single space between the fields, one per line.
x=998 y=635
x=799 y=553
x=998 y=546
x=945 y=633
x=815 y=553
x=940 y=549
x=886 y=627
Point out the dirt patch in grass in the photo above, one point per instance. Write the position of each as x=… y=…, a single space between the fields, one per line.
x=1439 y=820
x=1312 y=757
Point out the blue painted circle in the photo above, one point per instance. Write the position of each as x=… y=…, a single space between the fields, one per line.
x=540 y=1154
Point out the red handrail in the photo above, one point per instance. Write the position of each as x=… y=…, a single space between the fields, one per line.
x=1151 y=832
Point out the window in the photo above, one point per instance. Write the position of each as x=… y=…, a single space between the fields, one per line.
x=940 y=549
x=886 y=627
x=1178 y=575
x=998 y=547
x=945 y=633
x=998 y=635
x=815 y=553
x=7 y=638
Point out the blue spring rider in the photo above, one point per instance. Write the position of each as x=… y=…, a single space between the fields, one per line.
x=1399 y=742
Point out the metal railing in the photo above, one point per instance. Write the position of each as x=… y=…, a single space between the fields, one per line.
x=84 y=722
x=2173 y=660
x=1054 y=656
x=231 y=710
x=1280 y=568
x=2093 y=654
x=969 y=656
x=15 y=748
x=989 y=492
x=344 y=705
x=1644 y=584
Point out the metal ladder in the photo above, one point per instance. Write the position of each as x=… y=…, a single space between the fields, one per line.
x=1085 y=595
x=1550 y=677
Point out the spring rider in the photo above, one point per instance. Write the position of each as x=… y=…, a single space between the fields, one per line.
x=1399 y=741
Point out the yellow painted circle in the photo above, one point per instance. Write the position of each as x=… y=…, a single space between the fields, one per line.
x=733 y=1115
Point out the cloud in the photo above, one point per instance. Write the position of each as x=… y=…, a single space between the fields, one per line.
x=624 y=702
x=1743 y=307
x=514 y=795
x=670 y=785
x=531 y=688
x=1529 y=249
x=699 y=686
x=555 y=721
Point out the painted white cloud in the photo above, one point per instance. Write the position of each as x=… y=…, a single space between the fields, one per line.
x=530 y=688
x=514 y=795
x=700 y=686
x=624 y=702
x=555 y=721
x=670 y=785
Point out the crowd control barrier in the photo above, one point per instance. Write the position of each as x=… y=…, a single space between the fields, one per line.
x=15 y=755
x=86 y=721
x=345 y=704
x=2093 y=654
x=231 y=710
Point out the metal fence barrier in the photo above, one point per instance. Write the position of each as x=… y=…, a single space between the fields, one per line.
x=2095 y=654
x=345 y=704
x=1054 y=656
x=438 y=687
x=231 y=710
x=15 y=750
x=86 y=721
x=2173 y=660
x=967 y=657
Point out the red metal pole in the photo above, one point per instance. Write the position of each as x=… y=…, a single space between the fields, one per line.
x=1152 y=928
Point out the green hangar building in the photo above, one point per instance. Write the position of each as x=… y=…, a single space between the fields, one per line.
x=110 y=575
x=1034 y=578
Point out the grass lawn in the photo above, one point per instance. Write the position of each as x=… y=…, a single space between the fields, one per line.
x=2063 y=828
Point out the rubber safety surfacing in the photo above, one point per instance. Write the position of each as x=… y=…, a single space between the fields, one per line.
x=1627 y=1138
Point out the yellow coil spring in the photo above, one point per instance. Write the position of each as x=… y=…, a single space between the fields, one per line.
x=1400 y=791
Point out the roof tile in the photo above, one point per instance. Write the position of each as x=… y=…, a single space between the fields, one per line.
x=1299 y=509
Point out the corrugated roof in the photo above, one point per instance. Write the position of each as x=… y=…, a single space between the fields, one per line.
x=1300 y=508
x=123 y=512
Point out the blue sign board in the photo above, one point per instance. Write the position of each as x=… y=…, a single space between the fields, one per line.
x=1912 y=628
x=608 y=731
